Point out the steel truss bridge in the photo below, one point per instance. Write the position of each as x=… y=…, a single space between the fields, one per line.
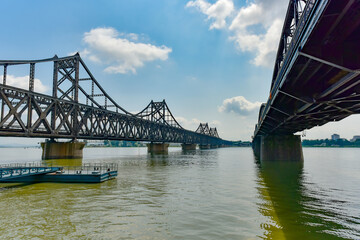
x=316 y=76
x=79 y=108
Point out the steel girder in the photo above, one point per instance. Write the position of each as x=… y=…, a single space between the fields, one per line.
x=159 y=112
x=60 y=118
x=204 y=129
x=80 y=108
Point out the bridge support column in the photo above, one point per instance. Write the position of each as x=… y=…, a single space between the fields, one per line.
x=62 y=150
x=206 y=146
x=157 y=147
x=280 y=148
x=188 y=146
x=256 y=146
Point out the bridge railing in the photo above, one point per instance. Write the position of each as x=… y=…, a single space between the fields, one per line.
x=16 y=170
x=24 y=165
x=90 y=168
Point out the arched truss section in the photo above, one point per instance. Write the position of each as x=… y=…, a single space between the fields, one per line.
x=204 y=129
x=213 y=132
x=79 y=108
x=159 y=112
x=72 y=81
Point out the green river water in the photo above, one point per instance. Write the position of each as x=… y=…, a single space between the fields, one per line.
x=204 y=194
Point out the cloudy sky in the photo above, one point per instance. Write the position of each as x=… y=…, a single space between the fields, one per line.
x=211 y=60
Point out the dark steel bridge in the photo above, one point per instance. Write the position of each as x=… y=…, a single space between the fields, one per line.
x=79 y=108
x=316 y=76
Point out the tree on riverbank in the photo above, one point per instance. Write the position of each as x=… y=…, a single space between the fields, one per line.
x=330 y=143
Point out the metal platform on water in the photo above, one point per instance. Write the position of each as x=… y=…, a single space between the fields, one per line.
x=37 y=172
x=13 y=172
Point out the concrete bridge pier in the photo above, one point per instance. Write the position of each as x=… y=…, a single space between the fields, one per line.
x=157 y=147
x=188 y=146
x=205 y=146
x=62 y=150
x=278 y=148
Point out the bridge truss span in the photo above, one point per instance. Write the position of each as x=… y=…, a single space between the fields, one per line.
x=159 y=112
x=79 y=108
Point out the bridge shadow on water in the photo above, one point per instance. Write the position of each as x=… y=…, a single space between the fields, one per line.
x=292 y=208
x=183 y=158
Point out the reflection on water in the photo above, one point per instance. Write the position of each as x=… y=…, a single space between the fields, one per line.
x=202 y=194
x=63 y=162
x=295 y=211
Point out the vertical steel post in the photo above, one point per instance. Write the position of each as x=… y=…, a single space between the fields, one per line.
x=76 y=98
x=5 y=72
x=92 y=92
x=163 y=116
x=55 y=79
x=54 y=94
x=31 y=89
x=2 y=101
x=296 y=13
x=152 y=111
x=31 y=77
x=76 y=83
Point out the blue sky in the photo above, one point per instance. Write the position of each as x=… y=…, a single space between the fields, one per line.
x=211 y=60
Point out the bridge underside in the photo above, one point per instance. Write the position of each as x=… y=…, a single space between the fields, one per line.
x=316 y=77
x=323 y=80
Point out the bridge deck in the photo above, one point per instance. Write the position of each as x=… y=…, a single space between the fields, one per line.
x=321 y=81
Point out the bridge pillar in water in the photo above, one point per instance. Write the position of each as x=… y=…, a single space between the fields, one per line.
x=157 y=147
x=206 y=146
x=62 y=150
x=188 y=146
x=279 y=148
x=256 y=146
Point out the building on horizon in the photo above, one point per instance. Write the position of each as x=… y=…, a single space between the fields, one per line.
x=356 y=137
x=335 y=137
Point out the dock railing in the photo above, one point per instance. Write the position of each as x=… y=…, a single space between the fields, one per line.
x=90 y=168
x=16 y=170
x=24 y=165
x=21 y=169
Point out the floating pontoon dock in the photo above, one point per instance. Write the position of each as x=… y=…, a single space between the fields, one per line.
x=37 y=172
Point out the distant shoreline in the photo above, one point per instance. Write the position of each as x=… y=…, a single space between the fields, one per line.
x=331 y=146
x=176 y=146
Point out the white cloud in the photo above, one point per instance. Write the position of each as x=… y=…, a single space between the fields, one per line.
x=268 y=19
x=121 y=52
x=23 y=82
x=215 y=123
x=188 y=124
x=255 y=28
x=218 y=11
x=239 y=105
